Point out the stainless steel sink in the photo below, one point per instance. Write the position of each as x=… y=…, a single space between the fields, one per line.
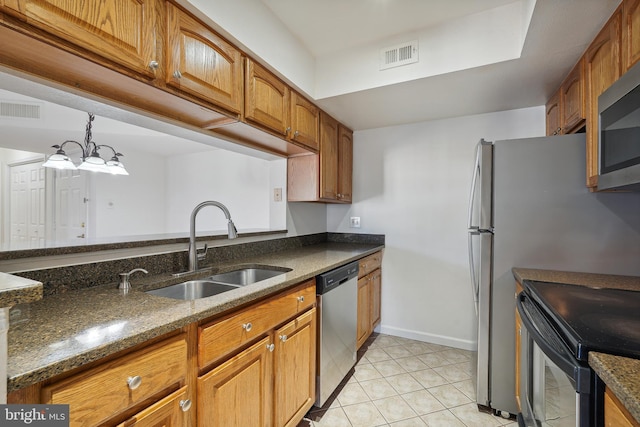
x=246 y=276
x=193 y=289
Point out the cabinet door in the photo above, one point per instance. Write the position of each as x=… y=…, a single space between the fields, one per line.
x=328 y=157
x=573 y=100
x=553 y=115
x=345 y=164
x=305 y=122
x=202 y=63
x=238 y=392
x=266 y=99
x=172 y=411
x=376 y=292
x=122 y=31
x=602 y=68
x=631 y=32
x=364 y=309
x=294 y=369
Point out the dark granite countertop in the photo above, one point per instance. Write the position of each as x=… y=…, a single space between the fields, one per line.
x=65 y=331
x=17 y=290
x=622 y=376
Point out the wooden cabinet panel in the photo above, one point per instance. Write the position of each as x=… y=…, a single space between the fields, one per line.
x=239 y=391
x=122 y=31
x=328 y=157
x=369 y=263
x=364 y=310
x=572 y=99
x=172 y=411
x=631 y=32
x=202 y=63
x=221 y=337
x=376 y=297
x=602 y=68
x=615 y=414
x=345 y=164
x=553 y=118
x=294 y=369
x=98 y=394
x=266 y=99
x=305 y=122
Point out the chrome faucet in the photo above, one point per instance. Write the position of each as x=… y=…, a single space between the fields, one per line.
x=124 y=279
x=194 y=255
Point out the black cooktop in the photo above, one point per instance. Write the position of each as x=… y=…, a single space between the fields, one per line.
x=591 y=319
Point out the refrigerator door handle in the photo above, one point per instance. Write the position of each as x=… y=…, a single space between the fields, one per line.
x=472 y=270
x=474 y=183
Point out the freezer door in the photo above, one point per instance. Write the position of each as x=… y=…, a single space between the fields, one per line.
x=480 y=198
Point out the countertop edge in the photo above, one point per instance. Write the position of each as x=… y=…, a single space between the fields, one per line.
x=622 y=376
x=18 y=290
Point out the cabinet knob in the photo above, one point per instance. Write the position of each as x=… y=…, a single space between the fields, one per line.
x=271 y=347
x=154 y=65
x=177 y=74
x=295 y=134
x=301 y=298
x=283 y=338
x=185 y=405
x=134 y=382
x=247 y=326
x=287 y=130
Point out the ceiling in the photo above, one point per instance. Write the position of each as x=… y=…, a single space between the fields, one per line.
x=557 y=35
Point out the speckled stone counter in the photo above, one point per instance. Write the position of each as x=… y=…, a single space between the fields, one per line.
x=622 y=376
x=67 y=330
x=631 y=283
x=16 y=290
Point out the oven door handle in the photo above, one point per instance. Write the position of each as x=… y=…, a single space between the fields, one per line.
x=557 y=351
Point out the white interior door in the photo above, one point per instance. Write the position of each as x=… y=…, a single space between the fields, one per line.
x=27 y=210
x=70 y=220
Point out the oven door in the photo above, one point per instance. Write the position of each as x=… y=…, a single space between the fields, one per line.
x=555 y=388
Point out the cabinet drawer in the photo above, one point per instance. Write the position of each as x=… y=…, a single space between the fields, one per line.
x=370 y=263
x=98 y=394
x=219 y=338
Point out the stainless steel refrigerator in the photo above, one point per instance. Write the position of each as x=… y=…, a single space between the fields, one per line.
x=530 y=208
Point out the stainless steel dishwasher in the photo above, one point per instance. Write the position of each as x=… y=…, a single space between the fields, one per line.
x=337 y=292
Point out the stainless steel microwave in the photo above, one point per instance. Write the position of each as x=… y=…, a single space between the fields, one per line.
x=619 y=133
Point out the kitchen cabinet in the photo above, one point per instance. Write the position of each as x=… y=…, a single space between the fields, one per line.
x=615 y=414
x=326 y=176
x=369 y=296
x=631 y=32
x=172 y=411
x=518 y=341
x=572 y=100
x=121 y=31
x=553 y=115
x=602 y=68
x=202 y=63
x=110 y=390
x=271 y=104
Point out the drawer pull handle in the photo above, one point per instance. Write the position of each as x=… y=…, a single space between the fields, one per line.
x=177 y=74
x=134 y=382
x=270 y=347
x=154 y=65
x=283 y=338
x=185 y=405
x=247 y=326
x=301 y=298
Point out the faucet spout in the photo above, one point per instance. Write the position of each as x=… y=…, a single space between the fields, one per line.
x=232 y=232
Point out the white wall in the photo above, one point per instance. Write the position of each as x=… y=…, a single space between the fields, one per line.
x=412 y=184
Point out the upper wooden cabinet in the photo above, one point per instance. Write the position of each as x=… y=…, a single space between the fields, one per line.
x=553 y=112
x=602 y=68
x=572 y=100
x=122 y=31
x=345 y=164
x=202 y=63
x=328 y=157
x=273 y=105
x=631 y=32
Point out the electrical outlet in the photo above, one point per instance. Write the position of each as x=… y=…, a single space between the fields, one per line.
x=355 y=222
x=277 y=194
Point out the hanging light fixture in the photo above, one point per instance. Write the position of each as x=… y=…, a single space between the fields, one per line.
x=91 y=159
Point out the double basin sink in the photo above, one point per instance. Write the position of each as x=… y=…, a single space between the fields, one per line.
x=218 y=283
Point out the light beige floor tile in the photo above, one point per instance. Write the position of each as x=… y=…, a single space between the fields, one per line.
x=434 y=360
x=411 y=364
x=385 y=341
x=366 y=372
x=364 y=415
x=411 y=422
x=352 y=394
x=334 y=417
x=376 y=355
x=423 y=402
x=453 y=373
x=449 y=396
x=397 y=351
x=442 y=419
x=471 y=417
x=378 y=389
x=388 y=368
x=456 y=355
x=429 y=378
x=416 y=348
x=468 y=387
x=394 y=409
x=404 y=383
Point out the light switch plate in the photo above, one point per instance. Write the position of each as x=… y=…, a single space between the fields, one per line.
x=355 y=222
x=277 y=194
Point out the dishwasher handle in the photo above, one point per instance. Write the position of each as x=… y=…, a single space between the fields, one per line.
x=325 y=282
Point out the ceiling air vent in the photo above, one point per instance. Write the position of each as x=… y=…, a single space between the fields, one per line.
x=19 y=110
x=402 y=54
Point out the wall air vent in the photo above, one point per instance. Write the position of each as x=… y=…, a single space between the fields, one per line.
x=402 y=54
x=19 y=110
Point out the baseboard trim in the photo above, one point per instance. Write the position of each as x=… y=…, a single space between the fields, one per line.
x=430 y=338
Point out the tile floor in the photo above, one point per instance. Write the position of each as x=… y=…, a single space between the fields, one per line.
x=400 y=382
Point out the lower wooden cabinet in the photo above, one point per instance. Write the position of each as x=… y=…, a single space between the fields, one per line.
x=518 y=331
x=615 y=414
x=369 y=296
x=172 y=411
